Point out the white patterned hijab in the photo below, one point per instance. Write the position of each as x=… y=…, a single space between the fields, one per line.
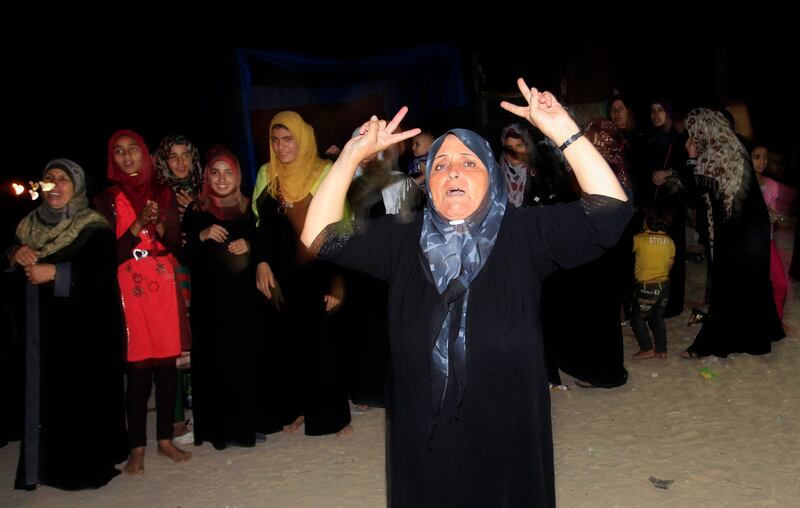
x=722 y=156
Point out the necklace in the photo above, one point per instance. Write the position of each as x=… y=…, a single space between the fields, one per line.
x=284 y=205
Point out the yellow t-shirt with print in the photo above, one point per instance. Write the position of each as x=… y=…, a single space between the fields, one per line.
x=654 y=251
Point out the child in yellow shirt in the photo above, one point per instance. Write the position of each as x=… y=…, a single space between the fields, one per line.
x=655 y=254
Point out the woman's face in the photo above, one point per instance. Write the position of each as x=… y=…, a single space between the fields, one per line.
x=128 y=155
x=619 y=114
x=284 y=145
x=222 y=178
x=180 y=160
x=515 y=150
x=458 y=180
x=658 y=115
x=58 y=197
x=760 y=159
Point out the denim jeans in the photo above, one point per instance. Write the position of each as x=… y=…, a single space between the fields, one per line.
x=650 y=301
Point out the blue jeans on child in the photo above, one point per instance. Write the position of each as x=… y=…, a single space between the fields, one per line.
x=650 y=301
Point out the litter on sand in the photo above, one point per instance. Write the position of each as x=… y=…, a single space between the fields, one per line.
x=708 y=373
x=660 y=484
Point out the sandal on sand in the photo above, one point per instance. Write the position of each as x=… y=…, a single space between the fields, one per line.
x=661 y=356
x=688 y=354
x=644 y=354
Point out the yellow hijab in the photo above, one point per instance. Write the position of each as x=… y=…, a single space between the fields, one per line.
x=298 y=178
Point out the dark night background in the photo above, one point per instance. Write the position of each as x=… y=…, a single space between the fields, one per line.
x=65 y=101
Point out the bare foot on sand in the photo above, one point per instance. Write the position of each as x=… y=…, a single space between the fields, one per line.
x=346 y=430
x=294 y=425
x=168 y=449
x=135 y=464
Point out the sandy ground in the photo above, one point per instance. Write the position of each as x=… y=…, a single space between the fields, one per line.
x=730 y=437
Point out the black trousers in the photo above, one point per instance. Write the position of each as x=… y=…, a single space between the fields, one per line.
x=140 y=377
x=649 y=305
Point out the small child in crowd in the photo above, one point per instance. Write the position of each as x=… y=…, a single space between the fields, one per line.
x=655 y=254
x=420 y=144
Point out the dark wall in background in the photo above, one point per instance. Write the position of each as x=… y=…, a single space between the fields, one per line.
x=66 y=101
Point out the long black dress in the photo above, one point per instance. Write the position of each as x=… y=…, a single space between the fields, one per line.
x=742 y=317
x=364 y=324
x=582 y=320
x=665 y=150
x=227 y=344
x=74 y=431
x=12 y=370
x=305 y=361
x=581 y=317
x=496 y=448
x=11 y=338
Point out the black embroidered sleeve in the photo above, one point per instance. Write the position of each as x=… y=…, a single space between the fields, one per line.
x=333 y=238
x=592 y=203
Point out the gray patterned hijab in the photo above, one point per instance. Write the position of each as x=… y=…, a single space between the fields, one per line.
x=191 y=183
x=48 y=230
x=456 y=251
x=516 y=173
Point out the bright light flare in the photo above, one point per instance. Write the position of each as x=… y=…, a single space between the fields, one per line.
x=19 y=189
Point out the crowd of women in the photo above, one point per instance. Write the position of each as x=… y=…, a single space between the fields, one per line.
x=346 y=280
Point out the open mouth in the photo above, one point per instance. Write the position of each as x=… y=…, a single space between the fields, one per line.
x=456 y=192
